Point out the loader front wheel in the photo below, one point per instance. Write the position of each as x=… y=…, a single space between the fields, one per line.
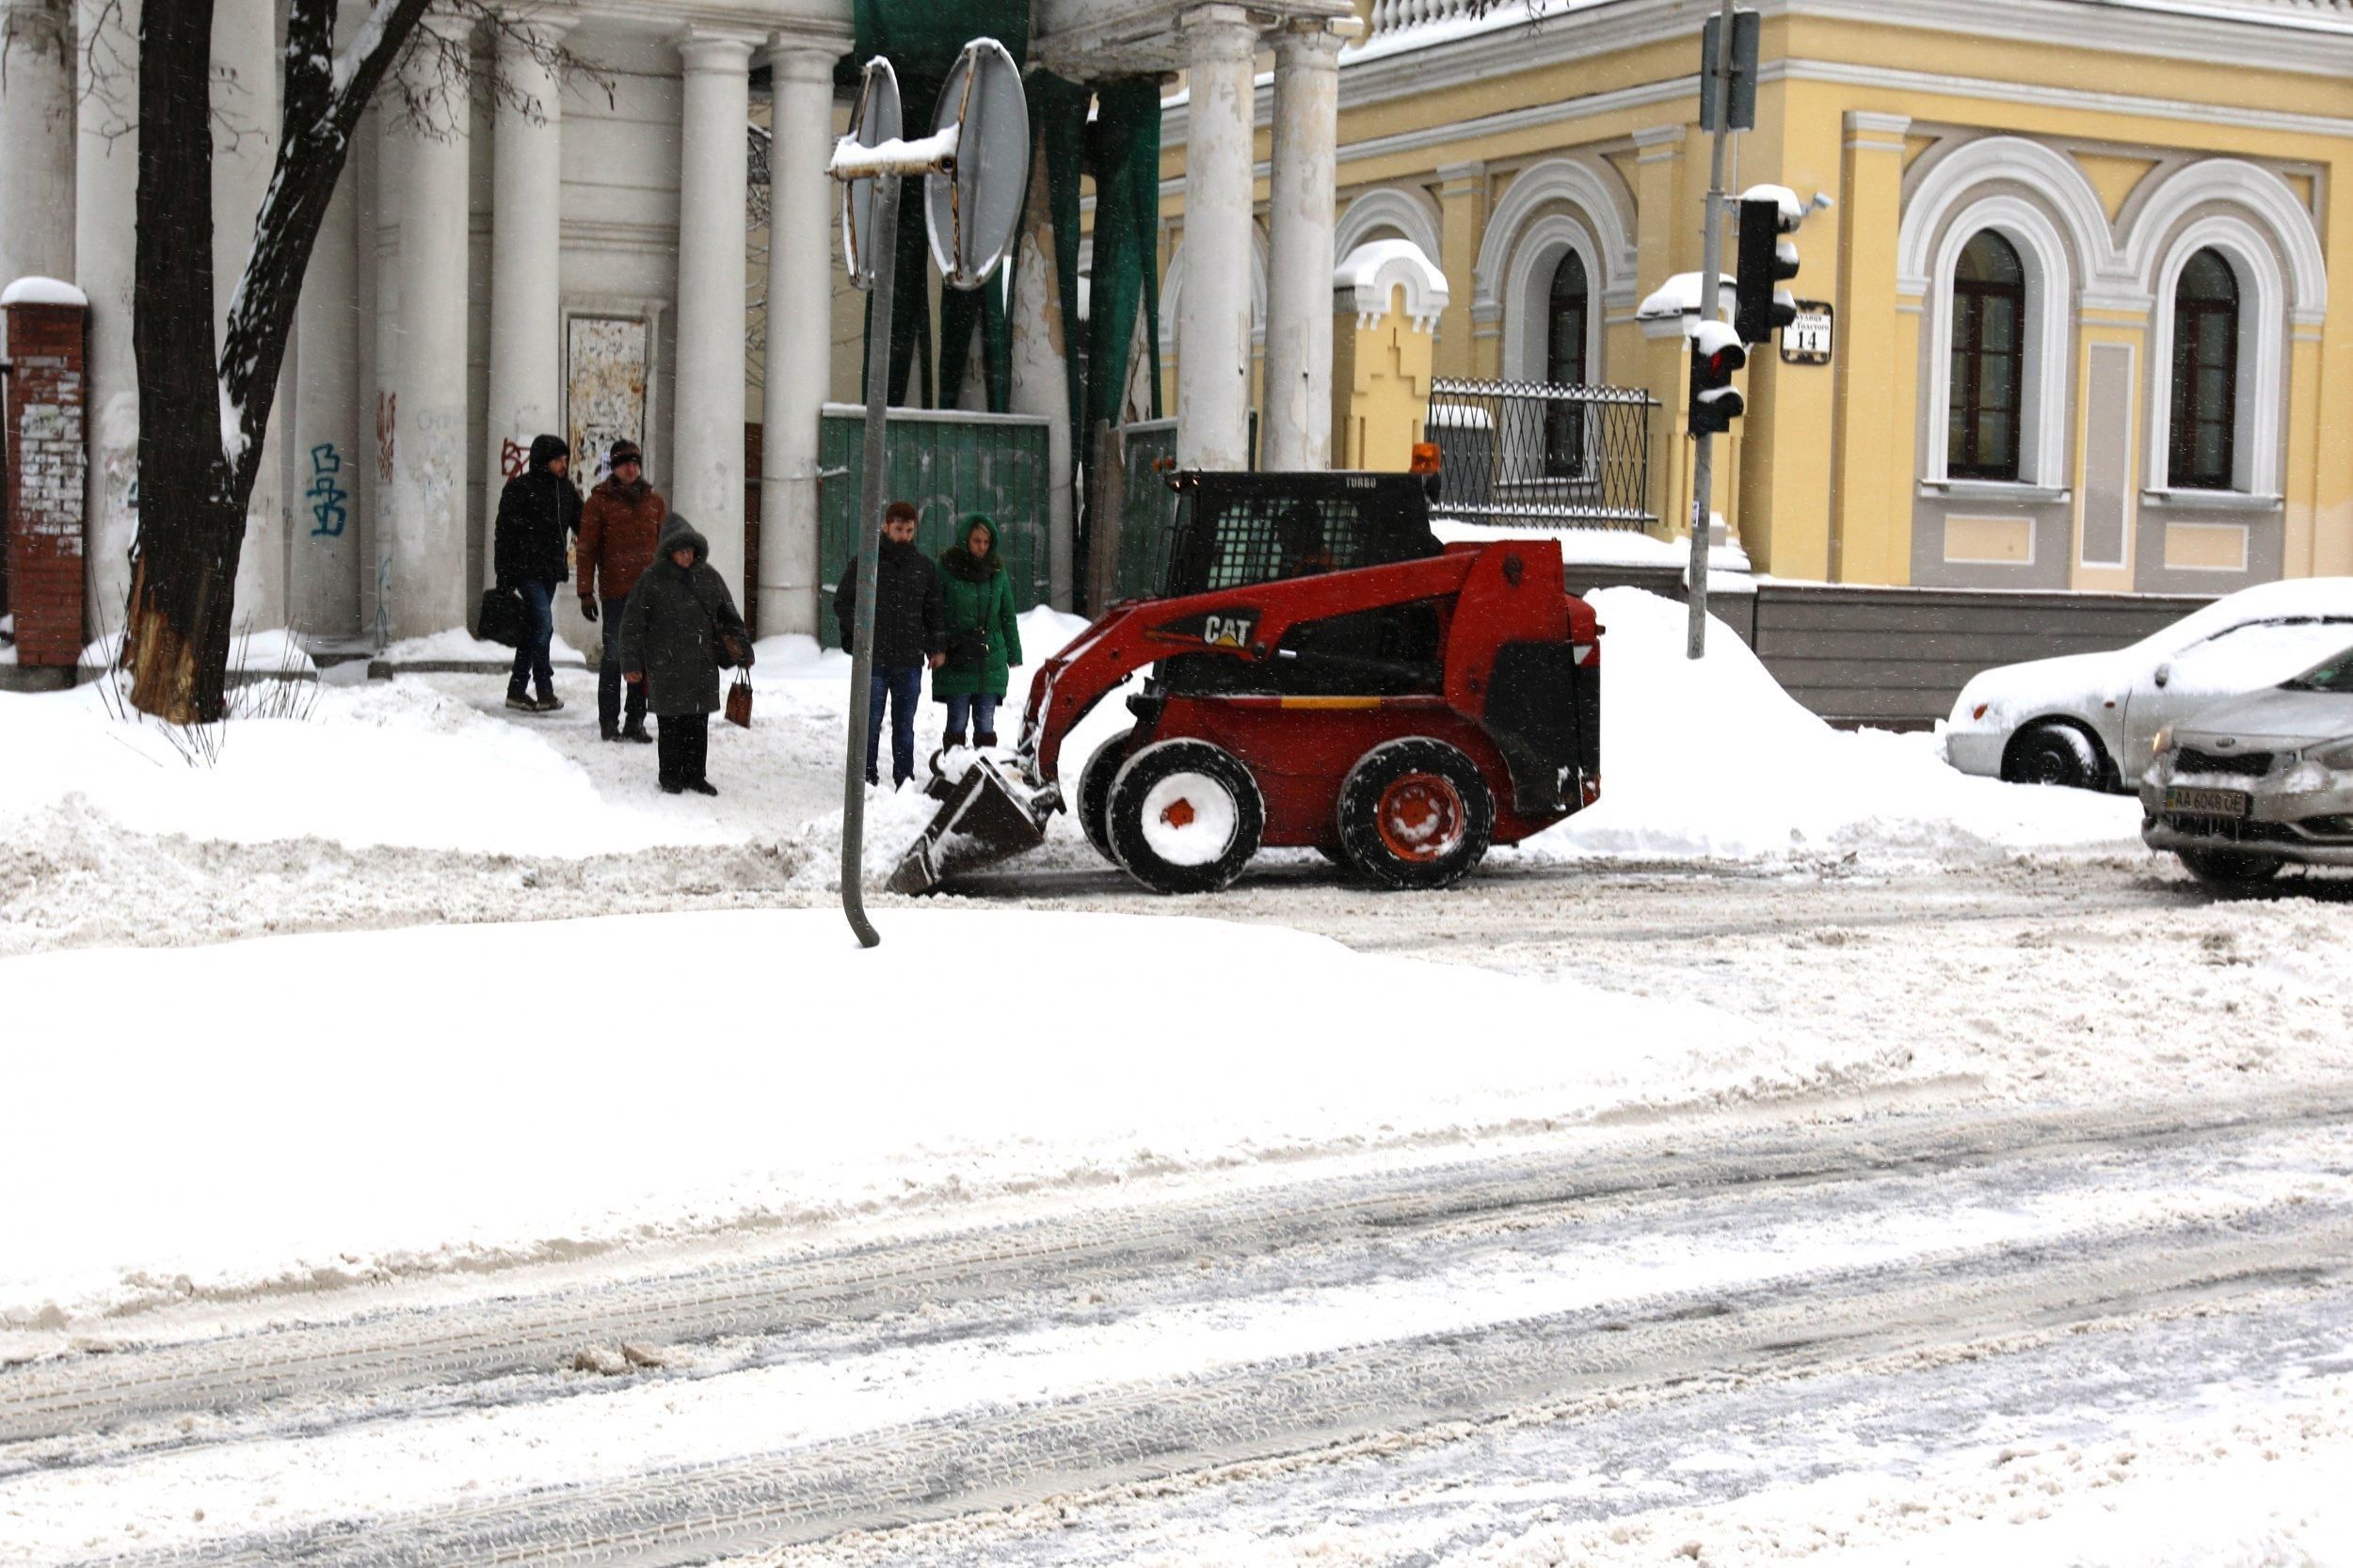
x=1414 y=814
x=1185 y=816
x=1095 y=792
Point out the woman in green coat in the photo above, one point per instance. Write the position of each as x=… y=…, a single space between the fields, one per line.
x=984 y=639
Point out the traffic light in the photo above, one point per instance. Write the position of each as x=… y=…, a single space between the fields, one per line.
x=1761 y=305
x=1715 y=353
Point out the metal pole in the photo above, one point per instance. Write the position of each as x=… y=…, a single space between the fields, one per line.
x=1719 y=89
x=868 y=534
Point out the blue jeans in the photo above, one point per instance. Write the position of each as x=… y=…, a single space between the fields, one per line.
x=903 y=691
x=983 y=710
x=531 y=654
x=609 y=688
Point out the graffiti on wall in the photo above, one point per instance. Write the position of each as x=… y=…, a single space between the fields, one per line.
x=606 y=366
x=328 y=514
x=513 y=459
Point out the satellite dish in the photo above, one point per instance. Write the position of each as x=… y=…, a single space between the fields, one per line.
x=873 y=121
x=972 y=206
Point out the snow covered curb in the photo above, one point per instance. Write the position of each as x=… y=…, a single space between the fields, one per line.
x=753 y=1068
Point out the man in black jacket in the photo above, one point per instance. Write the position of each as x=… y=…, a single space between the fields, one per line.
x=910 y=633
x=539 y=512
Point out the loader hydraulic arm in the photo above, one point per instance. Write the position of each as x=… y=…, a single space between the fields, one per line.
x=1247 y=623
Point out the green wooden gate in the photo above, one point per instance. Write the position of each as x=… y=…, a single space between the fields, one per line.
x=950 y=464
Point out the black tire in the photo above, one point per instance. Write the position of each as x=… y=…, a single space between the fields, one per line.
x=2229 y=869
x=1414 y=814
x=1160 y=781
x=2055 y=752
x=1095 y=792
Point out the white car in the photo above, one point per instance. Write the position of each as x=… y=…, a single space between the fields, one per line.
x=2090 y=720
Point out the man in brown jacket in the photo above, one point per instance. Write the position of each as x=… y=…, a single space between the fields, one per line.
x=618 y=531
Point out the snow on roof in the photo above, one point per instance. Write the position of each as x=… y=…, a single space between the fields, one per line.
x=1368 y=276
x=43 y=291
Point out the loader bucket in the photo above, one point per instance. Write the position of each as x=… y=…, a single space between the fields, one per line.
x=983 y=816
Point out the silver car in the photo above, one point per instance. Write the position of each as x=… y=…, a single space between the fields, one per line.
x=2240 y=789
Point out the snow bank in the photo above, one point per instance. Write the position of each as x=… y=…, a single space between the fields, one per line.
x=458 y=646
x=1711 y=758
x=743 y=1066
x=274 y=651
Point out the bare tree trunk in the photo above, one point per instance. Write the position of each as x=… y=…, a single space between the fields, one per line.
x=201 y=418
x=191 y=522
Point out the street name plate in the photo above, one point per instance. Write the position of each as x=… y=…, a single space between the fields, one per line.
x=1806 y=341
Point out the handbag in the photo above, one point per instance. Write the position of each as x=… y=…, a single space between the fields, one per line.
x=501 y=617
x=739 y=711
x=967 y=651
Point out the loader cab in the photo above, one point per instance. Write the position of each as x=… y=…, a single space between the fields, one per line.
x=1234 y=530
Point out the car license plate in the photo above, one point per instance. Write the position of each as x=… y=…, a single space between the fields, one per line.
x=2206 y=803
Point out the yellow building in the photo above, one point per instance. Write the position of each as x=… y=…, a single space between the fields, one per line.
x=2081 y=265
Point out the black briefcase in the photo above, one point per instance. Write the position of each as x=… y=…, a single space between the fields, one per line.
x=501 y=619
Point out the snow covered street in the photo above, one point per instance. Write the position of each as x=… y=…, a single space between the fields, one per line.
x=1844 y=1161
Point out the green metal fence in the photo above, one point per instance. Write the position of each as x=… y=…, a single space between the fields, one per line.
x=949 y=464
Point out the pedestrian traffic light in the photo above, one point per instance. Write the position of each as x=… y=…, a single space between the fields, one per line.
x=1715 y=353
x=1761 y=305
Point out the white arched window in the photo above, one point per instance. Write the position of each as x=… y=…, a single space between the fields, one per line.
x=2216 y=409
x=1534 y=348
x=1999 y=370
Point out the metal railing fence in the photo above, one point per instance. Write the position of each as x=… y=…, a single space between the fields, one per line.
x=1525 y=451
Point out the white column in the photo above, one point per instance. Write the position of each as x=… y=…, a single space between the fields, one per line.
x=1213 y=328
x=1041 y=373
x=425 y=587
x=245 y=155
x=707 y=467
x=328 y=455
x=800 y=321
x=37 y=128
x=1298 y=432
x=105 y=216
x=527 y=249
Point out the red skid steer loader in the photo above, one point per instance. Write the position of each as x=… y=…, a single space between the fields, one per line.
x=1326 y=675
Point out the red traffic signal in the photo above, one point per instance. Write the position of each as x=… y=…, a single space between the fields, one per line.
x=1716 y=354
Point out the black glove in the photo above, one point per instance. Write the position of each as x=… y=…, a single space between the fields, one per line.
x=588 y=607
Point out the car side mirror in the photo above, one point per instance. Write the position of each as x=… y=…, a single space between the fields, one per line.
x=2164 y=674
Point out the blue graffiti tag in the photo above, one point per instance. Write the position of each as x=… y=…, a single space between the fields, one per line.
x=327 y=498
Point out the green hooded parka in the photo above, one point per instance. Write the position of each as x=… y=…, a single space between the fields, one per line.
x=978 y=595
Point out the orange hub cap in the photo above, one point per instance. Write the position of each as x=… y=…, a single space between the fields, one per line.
x=1421 y=817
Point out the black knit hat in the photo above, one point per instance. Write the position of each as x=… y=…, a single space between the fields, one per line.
x=625 y=451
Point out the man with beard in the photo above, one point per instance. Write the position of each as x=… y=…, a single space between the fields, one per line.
x=910 y=634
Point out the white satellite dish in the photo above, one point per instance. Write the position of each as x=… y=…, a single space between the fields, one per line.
x=874 y=121
x=972 y=203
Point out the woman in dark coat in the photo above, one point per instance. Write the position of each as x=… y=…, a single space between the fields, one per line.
x=984 y=637
x=678 y=629
x=539 y=512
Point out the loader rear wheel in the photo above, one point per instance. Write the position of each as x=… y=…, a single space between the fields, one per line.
x=1414 y=814
x=1185 y=816
x=1095 y=792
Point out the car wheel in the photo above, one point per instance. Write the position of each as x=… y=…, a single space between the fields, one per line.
x=2230 y=868
x=1095 y=792
x=1414 y=814
x=1185 y=816
x=2055 y=752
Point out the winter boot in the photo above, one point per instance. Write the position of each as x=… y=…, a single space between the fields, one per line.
x=702 y=786
x=516 y=701
x=986 y=741
x=672 y=786
x=951 y=740
x=549 y=703
x=637 y=732
x=608 y=732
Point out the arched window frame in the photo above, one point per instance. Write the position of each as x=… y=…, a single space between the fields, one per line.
x=1565 y=455
x=1528 y=296
x=2046 y=385
x=2015 y=291
x=2258 y=411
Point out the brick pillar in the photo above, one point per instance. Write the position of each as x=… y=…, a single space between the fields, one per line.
x=47 y=464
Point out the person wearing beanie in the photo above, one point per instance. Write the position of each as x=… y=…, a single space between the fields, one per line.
x=620 y=530
x=538 y=511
